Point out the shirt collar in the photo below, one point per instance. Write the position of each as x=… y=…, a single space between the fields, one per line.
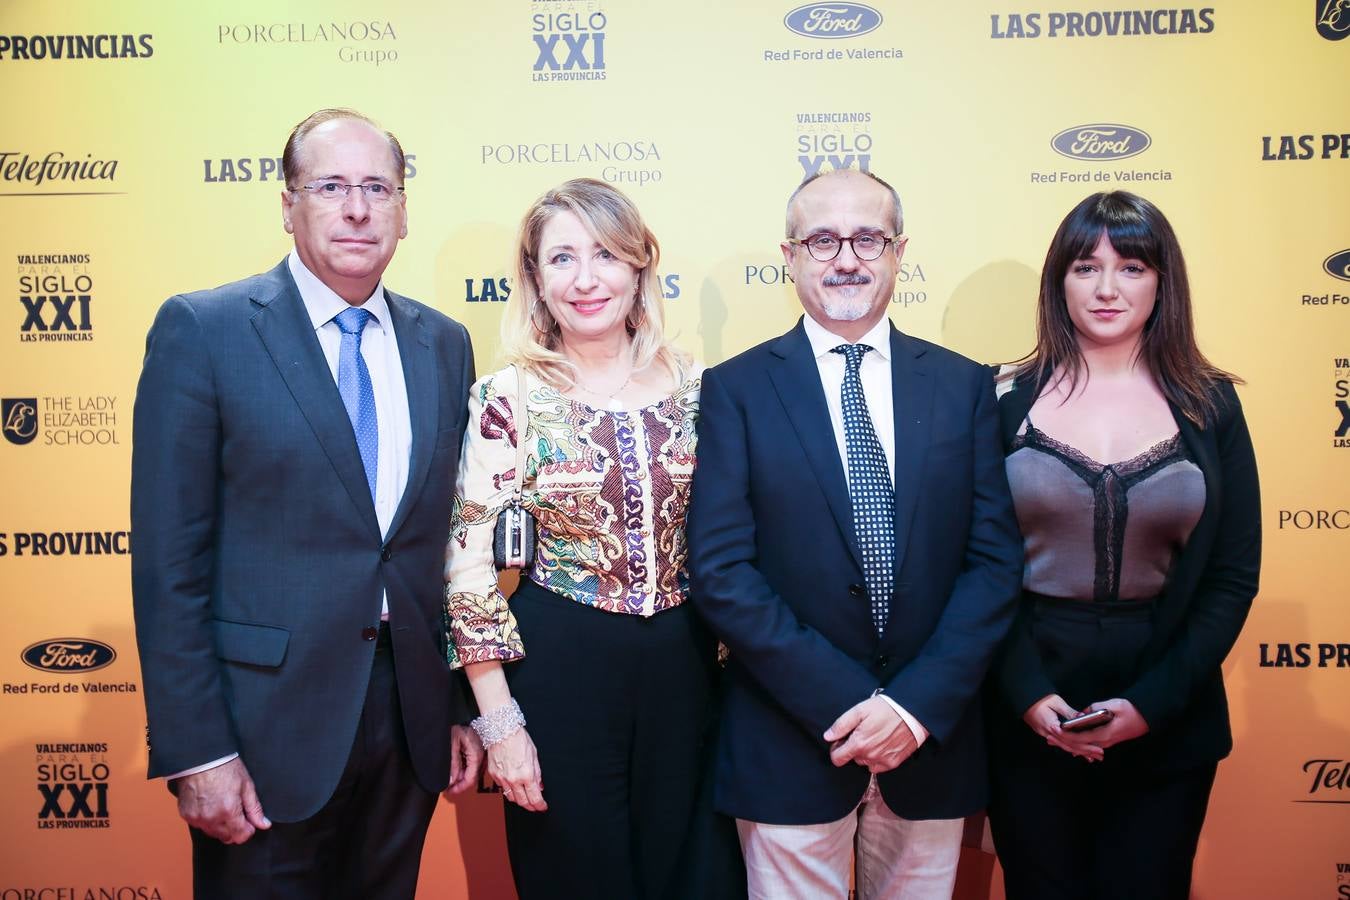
x=823 y=340
x=322 y=304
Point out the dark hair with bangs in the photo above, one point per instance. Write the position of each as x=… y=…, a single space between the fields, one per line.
x=1137 y=230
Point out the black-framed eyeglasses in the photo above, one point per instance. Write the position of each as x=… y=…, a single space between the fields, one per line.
x=377 y=192
x=867 y=245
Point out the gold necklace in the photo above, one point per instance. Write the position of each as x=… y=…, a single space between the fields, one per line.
x=610 y=402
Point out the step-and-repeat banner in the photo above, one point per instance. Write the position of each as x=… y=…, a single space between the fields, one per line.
x=140 y=157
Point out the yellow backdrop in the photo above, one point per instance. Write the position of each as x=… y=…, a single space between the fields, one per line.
x=140 y=158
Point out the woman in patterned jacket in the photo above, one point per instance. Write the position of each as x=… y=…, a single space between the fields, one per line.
x=597 y=649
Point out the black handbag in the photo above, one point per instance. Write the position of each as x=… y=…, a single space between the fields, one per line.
x=513 y=537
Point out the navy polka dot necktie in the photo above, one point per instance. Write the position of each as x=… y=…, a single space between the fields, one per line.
x=357 y=394
x=869 y=489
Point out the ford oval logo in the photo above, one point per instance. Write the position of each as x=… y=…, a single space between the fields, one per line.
x=832 y=20
x=1338 y=265
x=1100 y=142
x=68 y=655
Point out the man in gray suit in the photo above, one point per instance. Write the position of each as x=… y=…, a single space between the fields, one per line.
x=296 y=439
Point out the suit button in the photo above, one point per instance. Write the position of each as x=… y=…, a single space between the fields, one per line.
x=857 y=591
x=369 y=633
x=385 y=553
x=882 y=660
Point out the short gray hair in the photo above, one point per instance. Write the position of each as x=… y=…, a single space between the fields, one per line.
x=290 y=156
x=898 y=222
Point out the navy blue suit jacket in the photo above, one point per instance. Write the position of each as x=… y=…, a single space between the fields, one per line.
x=777 y=573
x=257 y=560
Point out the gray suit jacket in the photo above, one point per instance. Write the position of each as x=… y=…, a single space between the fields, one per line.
x=257 y=560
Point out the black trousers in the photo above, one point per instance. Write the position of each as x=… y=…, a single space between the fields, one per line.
x=365 y=843
x=618 y=707
x=1125 y=828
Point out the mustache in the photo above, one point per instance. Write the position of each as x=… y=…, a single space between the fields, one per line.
x=848 y=278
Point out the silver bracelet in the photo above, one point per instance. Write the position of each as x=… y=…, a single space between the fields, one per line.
x=499 y=724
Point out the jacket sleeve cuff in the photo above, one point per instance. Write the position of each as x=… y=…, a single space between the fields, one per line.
x=202 y=768
x=920 y=733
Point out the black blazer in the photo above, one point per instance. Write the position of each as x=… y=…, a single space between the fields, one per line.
x=777 y=573
x=258 y=565
x=1179 y=689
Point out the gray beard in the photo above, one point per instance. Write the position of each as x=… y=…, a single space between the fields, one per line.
x=848 y=310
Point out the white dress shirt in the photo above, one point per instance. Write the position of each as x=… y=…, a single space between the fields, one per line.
x=379 y=348
x=875 y=374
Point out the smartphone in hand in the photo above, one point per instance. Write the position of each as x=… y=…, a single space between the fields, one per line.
x=1084 y=721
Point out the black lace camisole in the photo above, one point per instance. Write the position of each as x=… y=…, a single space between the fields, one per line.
x=1098 y=532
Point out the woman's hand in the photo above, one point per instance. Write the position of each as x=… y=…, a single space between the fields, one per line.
x=514 y=764
x=1126 y=724
x=1043 y=717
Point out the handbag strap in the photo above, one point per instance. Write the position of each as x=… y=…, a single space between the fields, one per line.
x=521 y=417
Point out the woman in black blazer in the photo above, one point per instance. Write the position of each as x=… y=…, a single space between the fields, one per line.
x=1140 y=571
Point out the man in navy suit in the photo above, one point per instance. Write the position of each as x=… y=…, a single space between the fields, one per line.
x=296 y=439
x=853 y=543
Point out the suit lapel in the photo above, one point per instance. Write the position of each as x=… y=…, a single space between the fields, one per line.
x=797 y=380
x=419 y=377
x=1204 y=450
x=286 y=331
x=912 y=402
x=1013 y=408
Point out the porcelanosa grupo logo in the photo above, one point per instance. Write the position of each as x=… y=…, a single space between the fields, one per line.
x=358 y=41
x=1100 y=142
x=1333 y=19
x=68 y=656
x=631 y=162
x=832 y=21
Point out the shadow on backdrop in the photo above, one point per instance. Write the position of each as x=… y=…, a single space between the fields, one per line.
x=991 y=316
x=712 y=320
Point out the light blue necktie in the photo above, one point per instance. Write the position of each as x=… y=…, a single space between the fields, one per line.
x=357 y=394
x=869 y=488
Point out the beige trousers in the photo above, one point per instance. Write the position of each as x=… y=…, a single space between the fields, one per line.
x=897 y=859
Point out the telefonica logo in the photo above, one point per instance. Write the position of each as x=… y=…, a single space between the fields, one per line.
x=68 y=655
x=1337 y=265
x=1100 y=142
x=832 y=20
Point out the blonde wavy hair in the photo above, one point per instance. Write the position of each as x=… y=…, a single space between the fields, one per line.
x=530 y=334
